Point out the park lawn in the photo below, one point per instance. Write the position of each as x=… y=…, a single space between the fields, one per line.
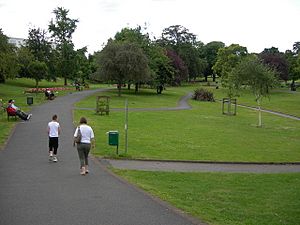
x=226 y=198
x=145 y=98
x=281 y=100
x=202 y=133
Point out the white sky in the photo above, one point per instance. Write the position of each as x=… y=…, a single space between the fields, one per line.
x=255 y=24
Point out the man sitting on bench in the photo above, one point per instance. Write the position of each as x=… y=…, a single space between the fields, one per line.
x=11 y=108
x=49 y=94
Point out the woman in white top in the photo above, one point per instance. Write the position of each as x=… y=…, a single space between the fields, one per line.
x=87 y=141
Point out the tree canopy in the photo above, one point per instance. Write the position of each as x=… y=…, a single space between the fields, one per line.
x=122 y=62
x=228 y=58
x=8 y=59
x=253 y=74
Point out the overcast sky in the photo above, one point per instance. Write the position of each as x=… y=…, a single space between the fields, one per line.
x=255 y=24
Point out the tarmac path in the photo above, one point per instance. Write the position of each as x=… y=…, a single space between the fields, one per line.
x=188 y=166
x=34 y=191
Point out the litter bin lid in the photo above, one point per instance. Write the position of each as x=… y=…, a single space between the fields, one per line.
x=113 y=131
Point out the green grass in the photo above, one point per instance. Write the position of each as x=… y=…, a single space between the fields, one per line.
x=281 y=100
x=202 y=133
x=146 y=98
x=225 y=198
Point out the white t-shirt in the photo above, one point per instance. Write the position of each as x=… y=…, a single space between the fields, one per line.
x=87 y=133
x=53 y=127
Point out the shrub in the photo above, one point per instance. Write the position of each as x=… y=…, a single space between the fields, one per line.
x=202 y=94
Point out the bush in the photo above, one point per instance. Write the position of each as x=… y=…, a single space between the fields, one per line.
x=201 y=94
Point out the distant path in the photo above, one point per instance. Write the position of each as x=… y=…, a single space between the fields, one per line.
x=188 y=166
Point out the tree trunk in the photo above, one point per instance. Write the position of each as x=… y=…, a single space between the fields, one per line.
x=293 y=86
x=119 y=89
x=66 y=83
x=136 y=87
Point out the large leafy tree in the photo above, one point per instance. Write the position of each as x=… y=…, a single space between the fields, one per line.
x=191 y=57
x=120 y=62
x=24 y=58
x=84 y=66
x=228 y=58
x=273 y=58
x=62 y=29
x=180 y=69
x=210 y=52
x=161 y=71
x=8 y=59
x=184 y=43
x=39 y=45
x=38 y=71
x=177 y=35
x=253 y=74
x=293 y=59
x=66 y=61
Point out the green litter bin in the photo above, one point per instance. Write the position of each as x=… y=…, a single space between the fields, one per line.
x=113 y=139
x=29 y=100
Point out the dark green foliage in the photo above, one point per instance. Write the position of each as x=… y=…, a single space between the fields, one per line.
x=202 y=94
x=8 y=59
x=37 y=70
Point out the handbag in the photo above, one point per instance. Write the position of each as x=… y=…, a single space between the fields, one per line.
x=78 y=137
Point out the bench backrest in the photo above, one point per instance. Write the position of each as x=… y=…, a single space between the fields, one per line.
x=11 y=111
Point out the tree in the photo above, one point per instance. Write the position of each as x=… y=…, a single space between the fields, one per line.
x=120 y=62
x=210 y=52
x=190 y=55
x=38 y=71
x=180 y=69
x=61 y=30
x=66 y=61
x=228 y=58
x=296 y=47
x=160 y=65
x=84 y=67
x=252 y=73
x=8 y=59
x=24 y=58
x=62 y=27
x=185 y=44
x=39 y=45
x=176 y=35
x=273 y=58
x=293 y=60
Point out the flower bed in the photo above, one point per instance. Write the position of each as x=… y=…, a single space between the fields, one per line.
x=42 y=90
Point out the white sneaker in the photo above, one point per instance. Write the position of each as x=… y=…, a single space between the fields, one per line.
x=50 y=158
x=54 y=159
x=29 y=116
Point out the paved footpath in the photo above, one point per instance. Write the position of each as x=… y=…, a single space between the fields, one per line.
x=34 y=191
x=185 y=166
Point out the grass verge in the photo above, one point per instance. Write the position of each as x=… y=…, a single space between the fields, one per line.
x=225 y=198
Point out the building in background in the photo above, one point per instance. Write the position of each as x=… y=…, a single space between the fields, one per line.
x=18 y=42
